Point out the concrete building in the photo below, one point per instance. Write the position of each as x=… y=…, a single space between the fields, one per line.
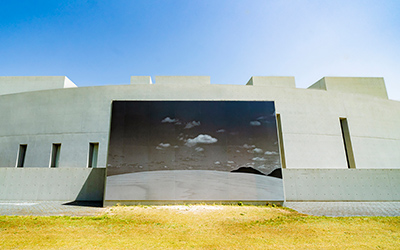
x=339 y=140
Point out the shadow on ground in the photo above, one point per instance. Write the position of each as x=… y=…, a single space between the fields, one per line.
x=84 y=203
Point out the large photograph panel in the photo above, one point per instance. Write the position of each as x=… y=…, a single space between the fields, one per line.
x=179 y=136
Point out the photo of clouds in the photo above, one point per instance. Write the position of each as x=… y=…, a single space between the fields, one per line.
x=229 y=136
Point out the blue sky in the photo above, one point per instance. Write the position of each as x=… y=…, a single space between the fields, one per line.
x=106 y=42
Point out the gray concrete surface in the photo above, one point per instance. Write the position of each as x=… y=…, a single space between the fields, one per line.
x=50 y=208
x=344 y=209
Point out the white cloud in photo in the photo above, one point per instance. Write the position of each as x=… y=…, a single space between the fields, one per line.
x=200 y=139
x=220 y=130
x=257 y=151
x=255 y=123
x=162 y=146
x=248 y=146
x=191 y=124
x=270 y=153
x=169 y=120
x=199 y=149
x=259 y=159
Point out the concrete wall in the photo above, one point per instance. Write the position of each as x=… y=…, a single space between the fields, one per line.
x=310 y=122
x=52 y=184
x=342 y=184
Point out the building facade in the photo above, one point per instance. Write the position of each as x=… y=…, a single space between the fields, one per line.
x=338 y=140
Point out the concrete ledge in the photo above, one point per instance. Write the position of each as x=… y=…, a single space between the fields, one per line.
x=341 y=184
x=83 y=184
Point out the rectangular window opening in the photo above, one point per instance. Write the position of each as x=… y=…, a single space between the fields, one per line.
x=347 y=143
x=21 y=155
x=93 y=153
x=55 y=155
x=280 y=139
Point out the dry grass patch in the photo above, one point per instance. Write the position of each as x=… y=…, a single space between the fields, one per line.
x=201 y=227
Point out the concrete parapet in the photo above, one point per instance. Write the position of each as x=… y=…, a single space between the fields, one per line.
x=141 y=80
x=182 y=80
x=18 y=84
x=374 y=86
x=272 y=81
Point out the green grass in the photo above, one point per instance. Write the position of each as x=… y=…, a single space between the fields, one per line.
x=199 y=227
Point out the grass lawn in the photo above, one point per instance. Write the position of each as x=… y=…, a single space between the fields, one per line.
x=201 y=227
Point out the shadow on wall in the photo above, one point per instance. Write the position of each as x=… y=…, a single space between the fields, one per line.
x=92 y=191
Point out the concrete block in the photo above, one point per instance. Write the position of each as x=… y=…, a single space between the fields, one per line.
x=373 y=86
x=141 y=80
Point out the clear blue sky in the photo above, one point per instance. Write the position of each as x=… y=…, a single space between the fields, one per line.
x=106 y=42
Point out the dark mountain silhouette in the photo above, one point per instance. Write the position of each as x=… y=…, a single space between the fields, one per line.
x=276 y=173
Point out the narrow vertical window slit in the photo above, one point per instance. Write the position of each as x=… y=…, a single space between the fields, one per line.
x=21 y=155
x=55 y=155
x=93 y=154
x=280 y=139
x=347 y=143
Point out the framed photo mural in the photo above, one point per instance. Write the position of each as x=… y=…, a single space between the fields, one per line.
x=193 y=151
